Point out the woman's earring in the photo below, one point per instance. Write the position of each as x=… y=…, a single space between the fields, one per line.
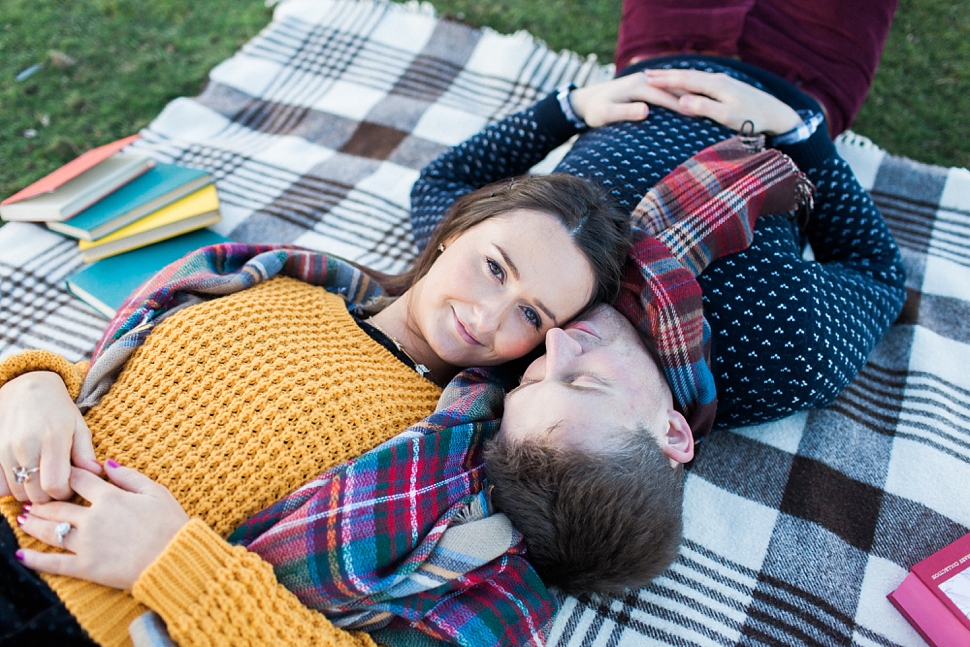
x=441 y=248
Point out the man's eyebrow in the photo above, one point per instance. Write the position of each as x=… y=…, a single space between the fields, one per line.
x=518 y=388
x=515 y=272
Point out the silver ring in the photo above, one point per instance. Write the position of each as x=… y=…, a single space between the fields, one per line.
x=61 y=531
x=22 y=474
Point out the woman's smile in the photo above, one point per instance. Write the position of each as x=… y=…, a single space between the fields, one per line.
x=464 y=332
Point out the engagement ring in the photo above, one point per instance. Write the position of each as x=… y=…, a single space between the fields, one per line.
x=61 y=531
x=22 y=474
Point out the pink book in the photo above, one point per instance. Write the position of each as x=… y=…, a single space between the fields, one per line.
x=923 y=610
x=946 y=573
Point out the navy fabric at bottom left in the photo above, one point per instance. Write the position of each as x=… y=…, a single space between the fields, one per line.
x=30 y=612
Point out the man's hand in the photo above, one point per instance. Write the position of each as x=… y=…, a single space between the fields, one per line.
x=724 y=99
x=40 y=427
x=127 y=527
x=622 y=99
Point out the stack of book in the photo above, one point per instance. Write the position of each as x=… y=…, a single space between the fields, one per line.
x=113 y=202
x=935 y=596
x=134 y=213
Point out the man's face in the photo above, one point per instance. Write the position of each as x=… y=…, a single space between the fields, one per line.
x=595 y=378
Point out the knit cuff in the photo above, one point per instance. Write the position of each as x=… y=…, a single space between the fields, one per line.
x=549 y=115
x=814 y=151
x=183 y=572
x=566 y=105
x=202 y=585
x=42 y=360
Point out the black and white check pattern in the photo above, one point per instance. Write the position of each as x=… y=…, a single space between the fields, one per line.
x=795 y=530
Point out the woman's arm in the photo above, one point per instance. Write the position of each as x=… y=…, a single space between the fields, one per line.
x=515 y=144
x=134 y=535
x=209 y=592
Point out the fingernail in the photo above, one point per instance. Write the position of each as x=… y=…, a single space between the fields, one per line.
x=21 y=520
x=26 y=507
x=19 y=555
x=110 y=463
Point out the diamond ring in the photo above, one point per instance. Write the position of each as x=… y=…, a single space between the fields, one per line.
x=22 y=474
x=61 y=531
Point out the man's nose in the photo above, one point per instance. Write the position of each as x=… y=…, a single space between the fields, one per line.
x=561 y=351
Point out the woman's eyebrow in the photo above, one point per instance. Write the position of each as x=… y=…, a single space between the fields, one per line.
x=515 y=272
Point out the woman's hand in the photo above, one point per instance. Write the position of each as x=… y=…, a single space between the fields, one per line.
x=129 y=523
x=41 y=427
x=622 y=99
x=724 y=99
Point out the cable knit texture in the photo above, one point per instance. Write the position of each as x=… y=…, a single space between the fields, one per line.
x=232 y=404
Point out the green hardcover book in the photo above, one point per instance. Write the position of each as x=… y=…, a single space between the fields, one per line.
x=146 y=194
x=105 y=285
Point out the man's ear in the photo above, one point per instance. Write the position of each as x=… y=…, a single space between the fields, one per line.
x=678 y=443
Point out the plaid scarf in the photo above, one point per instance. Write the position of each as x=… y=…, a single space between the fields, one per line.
x=402 y=537
x=704 y=209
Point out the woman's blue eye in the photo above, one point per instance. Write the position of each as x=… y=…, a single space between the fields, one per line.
x=532 y=317
x=495 y=269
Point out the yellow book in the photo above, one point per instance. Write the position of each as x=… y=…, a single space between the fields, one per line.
x=194 y=211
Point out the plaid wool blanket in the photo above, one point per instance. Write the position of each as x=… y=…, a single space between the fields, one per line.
x=795 y=530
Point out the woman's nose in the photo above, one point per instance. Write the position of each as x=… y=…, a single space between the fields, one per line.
x=490 y=313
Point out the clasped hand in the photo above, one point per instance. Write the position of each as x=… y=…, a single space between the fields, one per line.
x=719 y=97
x=42 y=428
x=127 y=526
x=131 y=519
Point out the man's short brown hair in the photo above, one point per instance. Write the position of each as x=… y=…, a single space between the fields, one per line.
x=593 y=523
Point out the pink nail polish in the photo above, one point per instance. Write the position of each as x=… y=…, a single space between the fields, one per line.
x=19 y=555
x=26 y=507
x=21 y=520
x=110 y=463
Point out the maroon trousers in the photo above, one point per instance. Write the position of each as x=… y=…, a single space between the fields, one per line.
x=829 y=48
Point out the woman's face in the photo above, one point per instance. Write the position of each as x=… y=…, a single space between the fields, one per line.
x=497 y=288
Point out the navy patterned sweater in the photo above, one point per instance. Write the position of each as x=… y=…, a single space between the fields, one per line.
x=788 y=333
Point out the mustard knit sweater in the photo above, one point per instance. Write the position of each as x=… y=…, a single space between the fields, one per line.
x=232 y=404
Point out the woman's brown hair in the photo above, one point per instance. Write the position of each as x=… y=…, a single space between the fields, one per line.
x=595 y=225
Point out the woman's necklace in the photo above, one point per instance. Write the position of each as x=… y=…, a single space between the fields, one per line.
x=420 y=368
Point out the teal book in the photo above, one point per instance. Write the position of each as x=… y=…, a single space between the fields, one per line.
x=106 y=284
x=149 y=192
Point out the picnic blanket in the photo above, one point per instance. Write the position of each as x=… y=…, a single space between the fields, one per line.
x=795 y=531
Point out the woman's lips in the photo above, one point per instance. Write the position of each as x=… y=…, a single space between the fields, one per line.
x=464 y=333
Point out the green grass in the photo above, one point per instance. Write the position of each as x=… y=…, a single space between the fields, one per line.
x=131 y=57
